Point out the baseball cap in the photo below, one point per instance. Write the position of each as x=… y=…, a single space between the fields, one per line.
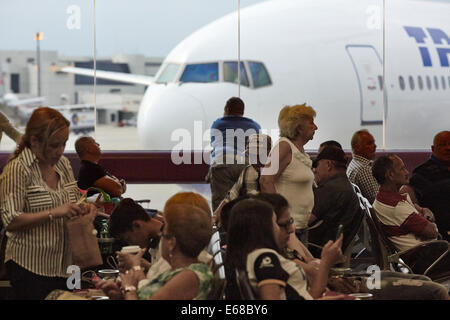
x=332 y=153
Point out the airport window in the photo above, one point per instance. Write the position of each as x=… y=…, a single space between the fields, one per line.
x=205 y=72
x=411 y=82
x=169 y=73
x=436 y=83
x=401 y=82
x=428 y=83
x=260 y=75
x=420 y=82
x=443 y=83
x=230 y=73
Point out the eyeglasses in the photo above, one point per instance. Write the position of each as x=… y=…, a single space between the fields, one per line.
x=164 y=235
x=287 y=224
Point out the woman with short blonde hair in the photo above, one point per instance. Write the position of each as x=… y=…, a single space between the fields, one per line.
x=291 y=118
x=289 y=169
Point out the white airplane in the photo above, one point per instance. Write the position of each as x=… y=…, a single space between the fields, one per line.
x=327 y=53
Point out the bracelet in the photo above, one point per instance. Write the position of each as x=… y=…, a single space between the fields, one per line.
x=128 y=289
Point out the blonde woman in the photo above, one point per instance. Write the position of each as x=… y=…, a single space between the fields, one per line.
x=288 y=170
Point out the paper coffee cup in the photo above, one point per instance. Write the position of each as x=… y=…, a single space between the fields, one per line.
x=130 y=249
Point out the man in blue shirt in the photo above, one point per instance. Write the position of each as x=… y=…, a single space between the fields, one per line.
x=229 y=135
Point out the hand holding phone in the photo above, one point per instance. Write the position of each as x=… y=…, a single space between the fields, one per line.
x=340 y=229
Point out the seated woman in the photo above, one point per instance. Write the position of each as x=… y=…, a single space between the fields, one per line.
x=392 y=285
x=186 y=232
x=271 y=275
x=158 y=264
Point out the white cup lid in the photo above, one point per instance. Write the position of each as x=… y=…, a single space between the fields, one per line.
x=130 y=249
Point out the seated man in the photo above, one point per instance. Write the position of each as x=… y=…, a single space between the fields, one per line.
x=359 y=169
x=405 y=224
x=91 y=173
x=429 y=185
x=335 y=202
x=133 y=224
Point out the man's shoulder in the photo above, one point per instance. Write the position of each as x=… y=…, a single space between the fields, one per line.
x=428 y=167
x=234 y=122
x=337 y=186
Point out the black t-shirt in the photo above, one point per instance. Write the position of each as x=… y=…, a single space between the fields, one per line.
x=89 y=173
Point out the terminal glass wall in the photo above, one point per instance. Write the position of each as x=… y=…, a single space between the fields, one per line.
x=332 y=60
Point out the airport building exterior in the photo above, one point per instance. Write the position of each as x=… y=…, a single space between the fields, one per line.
x=19 y=71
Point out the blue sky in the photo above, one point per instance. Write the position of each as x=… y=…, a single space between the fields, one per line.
x=149 y=27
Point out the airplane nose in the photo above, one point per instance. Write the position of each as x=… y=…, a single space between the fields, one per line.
x=170 y=119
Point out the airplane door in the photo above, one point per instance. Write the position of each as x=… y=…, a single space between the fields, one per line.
x=368 y=68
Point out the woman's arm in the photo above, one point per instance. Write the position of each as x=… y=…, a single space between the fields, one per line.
x=331 y=254
x=26 y=221
x=183 y=286
x=269 y=292
x=295 y=244
x=279 y=159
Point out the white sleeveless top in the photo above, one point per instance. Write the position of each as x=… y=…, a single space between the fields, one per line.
x=296 y=185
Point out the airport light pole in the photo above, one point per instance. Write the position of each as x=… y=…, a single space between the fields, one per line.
x=38 y=36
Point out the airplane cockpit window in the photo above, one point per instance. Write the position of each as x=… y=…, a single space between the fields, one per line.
x=230 y=73
x=169 y=73
x=204 y=72
x=260 y=75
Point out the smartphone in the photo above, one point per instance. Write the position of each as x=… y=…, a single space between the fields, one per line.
x=340 y=229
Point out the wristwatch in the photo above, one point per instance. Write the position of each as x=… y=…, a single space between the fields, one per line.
x=129 y=289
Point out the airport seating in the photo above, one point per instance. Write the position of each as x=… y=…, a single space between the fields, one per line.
x=217 y=266
x=243 y=284
x=389 y=258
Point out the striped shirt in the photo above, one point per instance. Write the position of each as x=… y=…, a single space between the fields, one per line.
x=359 y=172
x=42 y=249
x=400 y=220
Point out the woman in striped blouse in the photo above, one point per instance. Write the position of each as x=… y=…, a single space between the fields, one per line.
x=38 y=190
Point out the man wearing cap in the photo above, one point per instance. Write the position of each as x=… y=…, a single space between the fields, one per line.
x=335 y=201
x=229 y=135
